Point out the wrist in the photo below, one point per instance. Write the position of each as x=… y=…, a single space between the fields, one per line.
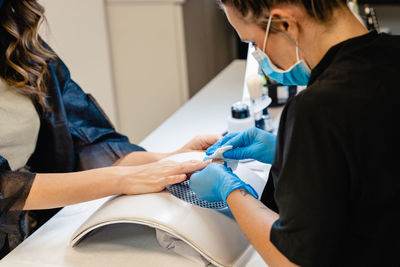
x=140 y=158
x=160 y=156
x=180 y=151
x=242 y=187
x=237 y=196
x=103 y=182
x=121 y=179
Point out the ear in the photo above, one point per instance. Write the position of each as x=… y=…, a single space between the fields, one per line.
x=286 y=22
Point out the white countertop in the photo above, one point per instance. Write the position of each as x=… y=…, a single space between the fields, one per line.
x=127 y=245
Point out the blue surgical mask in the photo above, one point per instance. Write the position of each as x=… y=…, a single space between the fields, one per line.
x=298 y=74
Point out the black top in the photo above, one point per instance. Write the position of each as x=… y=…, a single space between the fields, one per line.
x=336 y=172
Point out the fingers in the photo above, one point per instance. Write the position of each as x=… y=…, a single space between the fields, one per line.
x=201 y=142
x=210 y=183
x=216 y=145
x=218 y=161
x=174 y=179
x=187 y=167
x=205 y=141
x=218 y=166
x=156 y=176
x=238 y=140
x=220 y=143
x=158 y=185
x=211 y=139
x=238 y=153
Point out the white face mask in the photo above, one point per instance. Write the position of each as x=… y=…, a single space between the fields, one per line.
x=298 y=74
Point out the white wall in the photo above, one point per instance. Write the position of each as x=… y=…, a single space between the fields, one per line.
x=149 y=62
x=78 y=33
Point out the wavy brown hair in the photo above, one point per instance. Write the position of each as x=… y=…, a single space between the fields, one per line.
x=24 y=57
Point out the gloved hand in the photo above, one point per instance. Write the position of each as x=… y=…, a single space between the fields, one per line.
x=250 y=144
x=216 y=182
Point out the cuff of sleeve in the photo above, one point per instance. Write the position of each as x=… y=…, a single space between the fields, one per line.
x=286 y=245
x=104 y=154
x=15 y=188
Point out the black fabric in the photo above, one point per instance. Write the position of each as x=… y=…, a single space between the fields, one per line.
x=75 y=135
x=14 y=189
x=335 y=176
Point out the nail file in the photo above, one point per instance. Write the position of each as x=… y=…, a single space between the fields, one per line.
x=219 y=155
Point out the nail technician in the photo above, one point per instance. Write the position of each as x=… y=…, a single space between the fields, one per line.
x=333 y=193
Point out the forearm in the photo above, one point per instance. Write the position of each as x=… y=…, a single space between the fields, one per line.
x=140 y=158
x=256 y=221
x=58 y=190
x=199 y=143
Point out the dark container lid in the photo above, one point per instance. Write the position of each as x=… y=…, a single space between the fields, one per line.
x=240 y=110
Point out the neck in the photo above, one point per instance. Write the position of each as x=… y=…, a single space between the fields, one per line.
x=345 y=26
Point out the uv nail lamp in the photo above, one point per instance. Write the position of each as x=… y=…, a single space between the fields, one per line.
x=205 y=226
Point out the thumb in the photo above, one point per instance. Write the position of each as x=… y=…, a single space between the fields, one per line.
x=220 y=143
x=237 y=141
x=175 y=179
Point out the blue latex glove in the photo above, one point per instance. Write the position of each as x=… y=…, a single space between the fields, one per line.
x=250 y=144
x=216 y=182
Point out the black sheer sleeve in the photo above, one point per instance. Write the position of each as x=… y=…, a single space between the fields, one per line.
x=14 y=187
x=14 y=190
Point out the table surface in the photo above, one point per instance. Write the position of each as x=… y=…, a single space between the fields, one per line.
x=206 y=112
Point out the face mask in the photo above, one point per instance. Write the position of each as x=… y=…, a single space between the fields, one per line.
x=298 y=74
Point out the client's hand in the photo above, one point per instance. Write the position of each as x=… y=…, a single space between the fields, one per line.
x=154 y=177
x=200 y=143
